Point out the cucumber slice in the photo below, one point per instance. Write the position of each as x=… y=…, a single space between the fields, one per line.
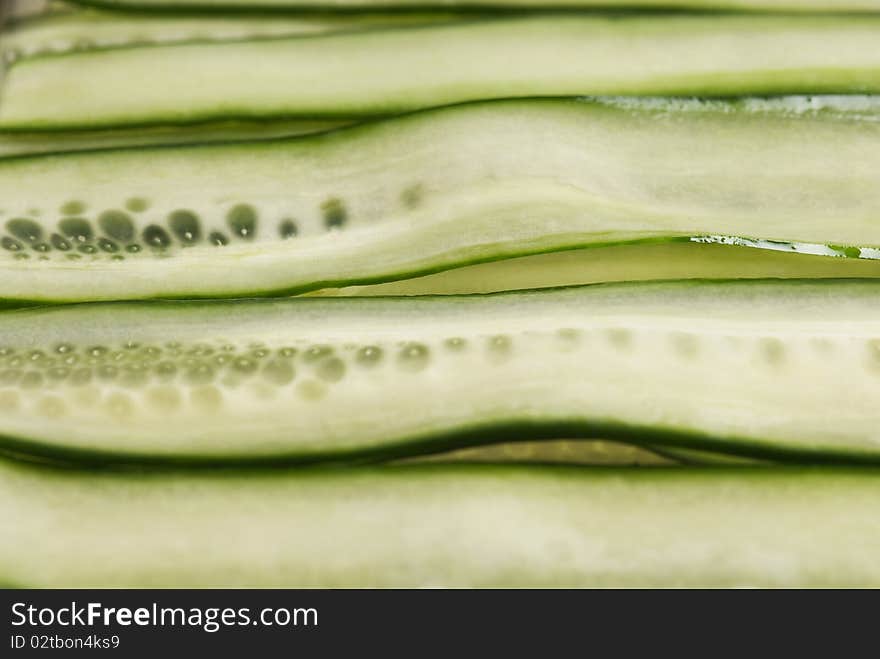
x=294 y=5
x=96 y=30
x=644 y=262
x=388 y=71
x=440 y=526
x=17 y=144
x=550 y=451
x=763 y=368
x=433 y=191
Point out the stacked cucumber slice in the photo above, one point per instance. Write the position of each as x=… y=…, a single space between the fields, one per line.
x=310 y=271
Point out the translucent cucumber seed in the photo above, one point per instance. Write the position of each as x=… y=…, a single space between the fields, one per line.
x=97 y=351
x=59 y=242
x=42 y=247
x=218 y=239
x=242 y=221
x=77 y=229
x=133 y=248
x=137 y=204
x=414 y=356
x=107 y=371
x=22 y=256
x=287 y=229
x=166 y=370
x=500 y=344
x=58 y=373
x=156 y=237
x=314 y=353
x=73 y=207
x=25 y=229
x=10 y=244
x=87 y=249
x=36 y=356
x=52 y=407
x=620 y=338
x=164 y=398
x=117 y=225
x=259 y=353
x=455 y=343
x=244 y=365
x=335 y=214
x=199 y=374
x=207 y=398
x=369 y=356
x=287 y=352
x=108 y=245
x=278 y=371
x=331 y=369
x=772 y=350
x=63 y=348
x=185 y=225
x=119 y=405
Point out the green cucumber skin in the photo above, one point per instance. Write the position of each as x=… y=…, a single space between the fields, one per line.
x=600 y=174
x=483 y=5
x=533 y=56
x=445 y=526
x=764 y=369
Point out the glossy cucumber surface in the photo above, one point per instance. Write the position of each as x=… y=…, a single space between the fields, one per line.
x=766 y=368
x=438 y=190
x=386 y=71
x=438 y=526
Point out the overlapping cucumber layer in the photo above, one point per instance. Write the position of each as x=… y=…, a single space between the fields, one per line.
x=763 y=368
x=439 y=526
x=387 y=71
x=642 y=262
x=95 y=30
x=438 y=190
x=294 y=5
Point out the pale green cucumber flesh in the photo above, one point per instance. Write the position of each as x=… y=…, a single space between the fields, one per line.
x=388 y=71
x=592 y=452
x=96 y=30
x=440 y=526
x=296 y=5
x=437 y=190
x=18 y=144
x=764 y=368
x=641 y=262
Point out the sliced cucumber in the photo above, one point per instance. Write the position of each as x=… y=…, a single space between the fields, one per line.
x=388 y=71
x=642 y=262
x=95 y=30
x=757 y=5
x=440 y=526
x=765 y=368
x=433 y=191
x=17 y=144
x=549 y=451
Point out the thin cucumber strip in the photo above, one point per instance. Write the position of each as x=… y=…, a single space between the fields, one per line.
x=296 y=5
x=95 y=30
x=390 y=71
x=440 y=526
x=559 y=451
x=433 y=191
x=762 y=368
x=17 y=144
x=642 y=262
